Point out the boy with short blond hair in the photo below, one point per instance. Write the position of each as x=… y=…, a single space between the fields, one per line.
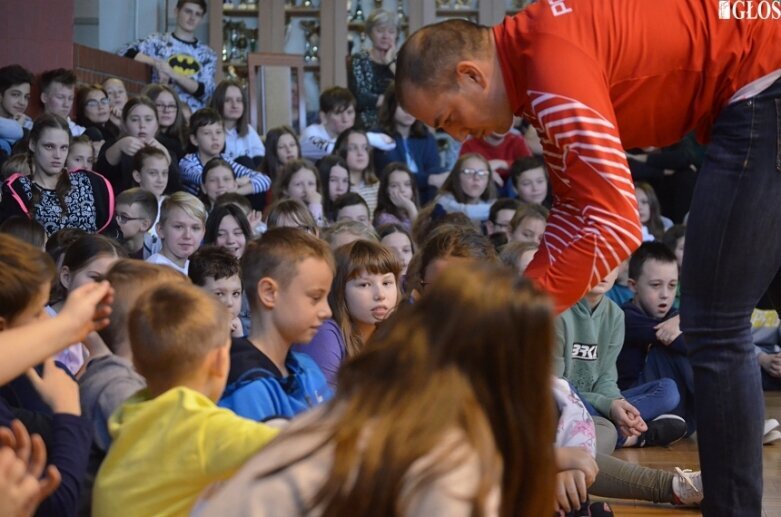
x=217 y=271
x=287 y=274
x=181 y=345
x=181 y=229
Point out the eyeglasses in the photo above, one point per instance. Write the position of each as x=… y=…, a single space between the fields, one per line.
x=94 y=103
x=122 y=218
x=166 y=107
x=480 y=173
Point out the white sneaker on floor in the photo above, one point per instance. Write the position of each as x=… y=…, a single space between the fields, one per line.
x=771 y=437
x=687 y=487
x=770 y=424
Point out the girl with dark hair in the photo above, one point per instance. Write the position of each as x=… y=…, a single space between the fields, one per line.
x=140 y=127
x=93 y=109
x=228 y=227
x=335 y=181
x=241 y=139
x=282 y=146
x=397 y=199
x=426 y=418
x=468 y=188
x=173 y=126
x=415 y=146
x=52 y=196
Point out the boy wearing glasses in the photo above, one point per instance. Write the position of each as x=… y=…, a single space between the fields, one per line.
x=135 y=214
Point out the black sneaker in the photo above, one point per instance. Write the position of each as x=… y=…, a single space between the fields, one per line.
x=663 y=430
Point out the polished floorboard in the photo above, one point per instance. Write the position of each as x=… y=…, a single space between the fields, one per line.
x=684 y=455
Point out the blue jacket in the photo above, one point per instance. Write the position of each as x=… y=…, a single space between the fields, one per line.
x=639 y=337
x=257 y=390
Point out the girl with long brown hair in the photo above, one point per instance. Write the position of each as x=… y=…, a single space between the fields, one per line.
x=441 y=414
x=364 y=292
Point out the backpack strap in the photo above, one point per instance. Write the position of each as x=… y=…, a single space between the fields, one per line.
x=14 y=194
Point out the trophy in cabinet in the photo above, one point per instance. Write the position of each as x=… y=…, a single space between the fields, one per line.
x=311 y=30
x=358 y=16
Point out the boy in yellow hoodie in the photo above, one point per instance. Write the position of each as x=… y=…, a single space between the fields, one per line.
x=171 y=441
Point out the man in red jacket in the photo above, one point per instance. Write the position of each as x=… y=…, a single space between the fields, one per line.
x=595 y=77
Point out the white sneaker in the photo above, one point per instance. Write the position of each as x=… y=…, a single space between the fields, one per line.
x=771 y=437
x=770 y=424
x=687 y=487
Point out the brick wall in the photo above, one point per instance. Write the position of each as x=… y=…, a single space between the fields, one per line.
x=94 y=66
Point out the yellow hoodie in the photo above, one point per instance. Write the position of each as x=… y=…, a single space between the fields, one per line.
x=166 y=450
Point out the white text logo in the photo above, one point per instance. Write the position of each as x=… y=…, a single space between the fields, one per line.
x=750 y=10
x=559 y=7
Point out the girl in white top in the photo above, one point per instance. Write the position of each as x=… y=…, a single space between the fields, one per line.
x=241 y=139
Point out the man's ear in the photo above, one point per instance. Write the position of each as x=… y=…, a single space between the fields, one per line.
x=471 y=73
x=268 y=290
x=3 y=323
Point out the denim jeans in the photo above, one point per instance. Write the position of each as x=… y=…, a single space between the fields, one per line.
x=650 y=399
x=661 y=363
x=732 y=255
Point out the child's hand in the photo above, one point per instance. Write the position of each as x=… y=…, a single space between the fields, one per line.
x=627 y=418
x=771 y=363
x=22 y=463
x=242 y=181
x=130 y=145
x=668 y=330
x=87 y=309
x=236 y=328
x=568 y=458
x=255 y=219
x=313 y=197
x=56 y=388
x=571 y=490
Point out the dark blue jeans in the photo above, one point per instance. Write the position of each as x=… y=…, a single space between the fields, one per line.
x=732 y=256
x=663 y=363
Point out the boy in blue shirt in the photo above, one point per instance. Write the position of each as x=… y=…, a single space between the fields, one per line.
x=653 y=343
x=287 y=274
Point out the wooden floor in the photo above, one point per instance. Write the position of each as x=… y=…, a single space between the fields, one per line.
x=684 y=455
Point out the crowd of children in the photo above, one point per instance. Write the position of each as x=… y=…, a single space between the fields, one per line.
x=185 y=287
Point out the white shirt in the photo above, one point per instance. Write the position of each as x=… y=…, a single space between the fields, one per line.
x=159 y=258
x=247 y=145
x=316 y=142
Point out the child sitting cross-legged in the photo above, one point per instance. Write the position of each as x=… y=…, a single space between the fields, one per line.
x=170 y=441
x=654 y=347
x=589 y=337
x=287 y=274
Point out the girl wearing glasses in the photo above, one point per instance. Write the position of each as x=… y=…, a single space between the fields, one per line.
x=173 y=127
x=468 y=188
x=52 y=196
x=93 y=109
